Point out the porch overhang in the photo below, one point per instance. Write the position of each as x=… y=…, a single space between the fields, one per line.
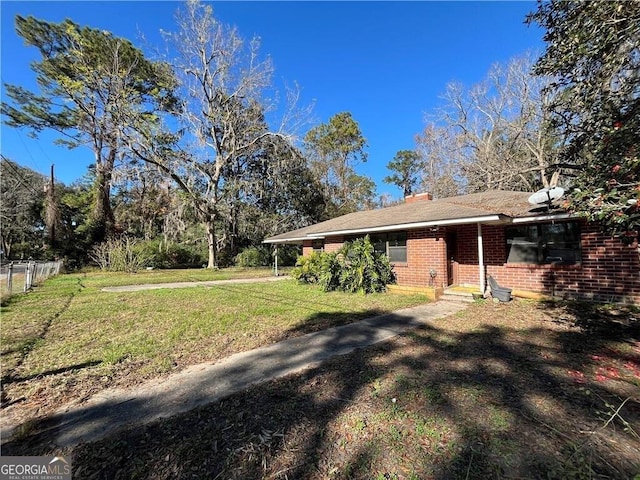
x=284 y=241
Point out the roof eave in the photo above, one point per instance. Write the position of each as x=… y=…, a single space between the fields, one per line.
x=543 y=218
x=410 y=226
x=484 y=219
x=285 y=240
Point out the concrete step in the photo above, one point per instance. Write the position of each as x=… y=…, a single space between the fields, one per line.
x=455 y=296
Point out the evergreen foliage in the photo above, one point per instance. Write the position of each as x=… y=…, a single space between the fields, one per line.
x=593 y=52
x=356 y=267
x=254 y=257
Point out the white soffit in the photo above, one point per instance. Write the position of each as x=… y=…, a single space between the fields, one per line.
x=410 y=226
x=543 y=218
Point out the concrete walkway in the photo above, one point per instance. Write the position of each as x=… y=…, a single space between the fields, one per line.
x=201 y=384
x=207 y=283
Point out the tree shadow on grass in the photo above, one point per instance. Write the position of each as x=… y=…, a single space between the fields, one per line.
x=494 y=401
x=602 y=321
x=16 y=356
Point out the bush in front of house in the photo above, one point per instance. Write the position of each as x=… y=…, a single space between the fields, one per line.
x=308 y=269
x=356 y=267
x=364 y=269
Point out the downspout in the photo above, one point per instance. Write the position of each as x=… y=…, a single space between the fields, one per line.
x=481 y=260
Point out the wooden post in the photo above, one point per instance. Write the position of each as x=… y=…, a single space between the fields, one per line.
x=27 y=277
x=10 y=278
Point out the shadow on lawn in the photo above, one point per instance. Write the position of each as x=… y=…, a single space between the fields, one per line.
x=436 y=403
x=23 y=350
x=614 y=322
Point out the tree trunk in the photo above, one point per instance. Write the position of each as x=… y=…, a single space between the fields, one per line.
x=211 y=241
x=102 y=212
x=7 y=244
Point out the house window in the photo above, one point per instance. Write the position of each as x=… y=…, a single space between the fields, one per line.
x=544 y=243
x=318 y=245
x=393 y=244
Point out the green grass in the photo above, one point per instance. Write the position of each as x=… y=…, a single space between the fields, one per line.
x=490 y=394
x=70 y=322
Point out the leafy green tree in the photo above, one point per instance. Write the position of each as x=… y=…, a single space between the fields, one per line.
x=95 y=89
x=334 y=149
x=273 y=192
x=593 y=52
x=21 y=208
x=406 y=167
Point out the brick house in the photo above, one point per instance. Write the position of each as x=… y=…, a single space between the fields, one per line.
x=458 y=241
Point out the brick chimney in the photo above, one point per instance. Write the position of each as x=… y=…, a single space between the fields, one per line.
x=418 y=197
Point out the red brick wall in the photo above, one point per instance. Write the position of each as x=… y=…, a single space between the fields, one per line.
x=307 y=247
x=609 y=269
x=333 y=244
x=418 y=197
x=425 y=250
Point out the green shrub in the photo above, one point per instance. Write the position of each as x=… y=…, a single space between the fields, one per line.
x=329 y=277
x=254 y=257
x=308 y=269
x=364 y=269
x=356 y=267
x=162 y=254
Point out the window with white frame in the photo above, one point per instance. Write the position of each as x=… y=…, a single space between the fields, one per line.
x=394 y=244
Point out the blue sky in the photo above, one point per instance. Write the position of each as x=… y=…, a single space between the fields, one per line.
x=385 y=62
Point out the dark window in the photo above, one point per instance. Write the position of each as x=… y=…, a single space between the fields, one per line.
x=544 y=243
x=397 y=247
x=318 y=245
x=393 y=244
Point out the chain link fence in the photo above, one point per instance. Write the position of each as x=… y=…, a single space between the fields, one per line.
x=16 y=277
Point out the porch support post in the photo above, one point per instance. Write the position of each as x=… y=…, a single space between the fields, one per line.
x=481 y=259
x=275 y=245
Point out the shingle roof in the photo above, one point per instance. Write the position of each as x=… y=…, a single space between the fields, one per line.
x=491 y=205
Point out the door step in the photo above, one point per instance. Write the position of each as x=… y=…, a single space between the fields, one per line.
x=457 y=296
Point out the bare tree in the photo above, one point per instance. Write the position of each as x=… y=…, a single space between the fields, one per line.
x=496 y=133
x=223 y=81
x=441 y=173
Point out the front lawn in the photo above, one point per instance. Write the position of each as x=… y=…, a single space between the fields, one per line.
x=515 y=391
x=68 y=339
